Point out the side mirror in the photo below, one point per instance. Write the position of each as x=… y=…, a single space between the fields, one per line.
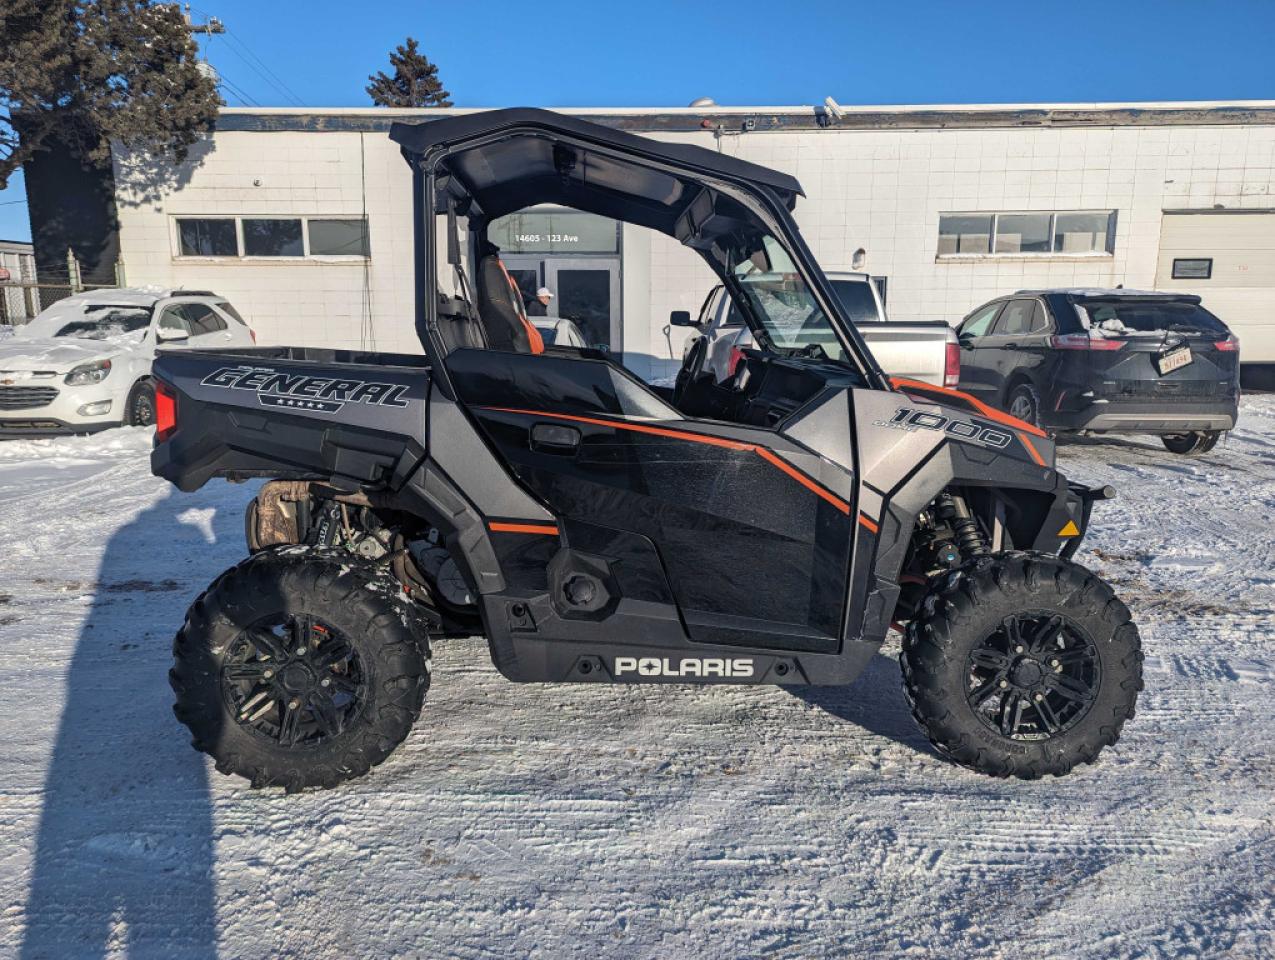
x=681 y=318
x=169 y=335
x=965 y=340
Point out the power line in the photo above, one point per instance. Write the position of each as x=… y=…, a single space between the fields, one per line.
x=254 y=62
x=236 y=90
x=262 y=69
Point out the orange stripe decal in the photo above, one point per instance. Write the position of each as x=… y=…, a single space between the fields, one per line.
x=769 y=456
x=523 y=528
x=868 y=523
x=1031 y=448
x=802 y=479
x=991 y=413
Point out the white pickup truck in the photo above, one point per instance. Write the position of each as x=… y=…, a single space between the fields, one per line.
x=924 y=350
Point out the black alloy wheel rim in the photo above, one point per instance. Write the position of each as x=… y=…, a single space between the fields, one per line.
x=293 y=680
x=1034 y=677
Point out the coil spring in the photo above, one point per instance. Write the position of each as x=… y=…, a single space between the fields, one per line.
x=969 y=537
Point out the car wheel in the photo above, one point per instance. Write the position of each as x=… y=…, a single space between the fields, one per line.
x=140 y=411
x=1024 y=403
x=1194 y=443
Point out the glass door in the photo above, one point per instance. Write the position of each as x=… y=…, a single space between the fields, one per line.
x=587 y=292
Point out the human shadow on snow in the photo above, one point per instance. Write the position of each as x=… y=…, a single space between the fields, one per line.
x=124 y=854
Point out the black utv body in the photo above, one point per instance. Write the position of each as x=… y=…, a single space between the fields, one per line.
x=597 y=529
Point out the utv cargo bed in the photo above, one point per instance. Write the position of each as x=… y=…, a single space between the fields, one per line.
x=250 y=412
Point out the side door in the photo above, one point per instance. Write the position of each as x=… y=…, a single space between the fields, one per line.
x=1004 y=347
x=736 y=535
x=977 y=374
x=208 y=328
x=172 y=327
x=1032 y=349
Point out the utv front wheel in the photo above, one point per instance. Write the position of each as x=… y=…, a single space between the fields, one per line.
x=1195 y=443
x=300 y=668
x=1022 y=665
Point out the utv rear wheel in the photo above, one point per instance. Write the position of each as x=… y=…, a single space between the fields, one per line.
x=300 y=668
x=1022 y=665
x=1195 y=443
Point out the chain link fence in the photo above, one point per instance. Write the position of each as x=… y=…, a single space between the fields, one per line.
x=22 y=300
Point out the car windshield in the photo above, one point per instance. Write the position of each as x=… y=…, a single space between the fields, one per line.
x=856 y=297
x=94 y=321
x=1124 y=317
x=784 y=305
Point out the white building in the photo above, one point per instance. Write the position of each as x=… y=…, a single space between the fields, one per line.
x=303 y=217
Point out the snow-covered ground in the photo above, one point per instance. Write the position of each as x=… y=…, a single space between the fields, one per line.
x=589 y=821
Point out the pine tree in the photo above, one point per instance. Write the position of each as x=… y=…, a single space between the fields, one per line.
x=414 y=82
x=87 y=72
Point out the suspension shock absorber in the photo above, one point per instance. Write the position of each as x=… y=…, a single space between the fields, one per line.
x=969 y=538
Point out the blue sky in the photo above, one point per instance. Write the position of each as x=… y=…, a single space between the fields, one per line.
x=665 y=53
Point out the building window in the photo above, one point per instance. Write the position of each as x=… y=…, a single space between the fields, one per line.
x=1195 y=269
x=207 y=238
x=1027 y=233
x=964 y=233
x=274 y=237
x=552 y=230
x=338 y=238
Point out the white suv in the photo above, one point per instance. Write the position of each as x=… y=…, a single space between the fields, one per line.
x=84 y=363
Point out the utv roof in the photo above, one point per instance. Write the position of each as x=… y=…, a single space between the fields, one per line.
x=522 y=156
x=1119 y=293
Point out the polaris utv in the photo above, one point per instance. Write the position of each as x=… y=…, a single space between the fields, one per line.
x=597 y=529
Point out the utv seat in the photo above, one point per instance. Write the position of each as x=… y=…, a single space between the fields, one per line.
x=500 y=308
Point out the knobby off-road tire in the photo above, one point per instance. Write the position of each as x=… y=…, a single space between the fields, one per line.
x=1196 y=443
x=971 y=686
x=301 y=668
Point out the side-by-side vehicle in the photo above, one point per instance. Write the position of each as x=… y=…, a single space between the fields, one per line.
x=597 y=529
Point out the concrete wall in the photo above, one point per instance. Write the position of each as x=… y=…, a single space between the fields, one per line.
x=335 y=302
x=882 y=190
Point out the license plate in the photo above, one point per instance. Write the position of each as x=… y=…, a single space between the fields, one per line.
x=1172 y=360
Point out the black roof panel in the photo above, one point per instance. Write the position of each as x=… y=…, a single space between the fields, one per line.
x=418 y=138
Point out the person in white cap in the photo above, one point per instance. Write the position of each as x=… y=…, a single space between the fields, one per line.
x=539 y=307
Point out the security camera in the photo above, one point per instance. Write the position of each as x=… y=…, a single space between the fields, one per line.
x=834 y=108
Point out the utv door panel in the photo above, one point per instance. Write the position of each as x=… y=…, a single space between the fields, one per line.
x=755 y=549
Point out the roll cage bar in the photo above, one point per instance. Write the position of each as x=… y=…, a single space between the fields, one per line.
x=495 y=162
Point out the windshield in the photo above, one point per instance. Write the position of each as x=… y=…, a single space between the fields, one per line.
x=106 y=323
x=94 y=321
x=784 y=305
x=1122 y=317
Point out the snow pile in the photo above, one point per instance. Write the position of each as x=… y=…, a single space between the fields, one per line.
x=594 y=821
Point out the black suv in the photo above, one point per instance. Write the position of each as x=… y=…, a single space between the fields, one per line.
x=1106 y=361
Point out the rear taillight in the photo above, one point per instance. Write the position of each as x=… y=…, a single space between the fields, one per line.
x=165 y=411
x=1082 y=341
x=952 y=365
x=1230 y=345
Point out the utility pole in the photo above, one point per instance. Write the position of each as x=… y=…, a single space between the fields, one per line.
x=214 y=25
